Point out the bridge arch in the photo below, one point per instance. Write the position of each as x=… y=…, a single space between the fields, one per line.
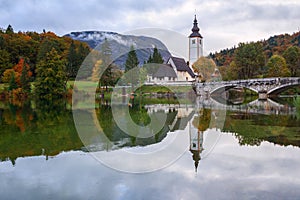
x=224 y=88
x=277 y=90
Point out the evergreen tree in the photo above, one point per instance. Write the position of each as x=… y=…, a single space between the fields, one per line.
x=24 y=79
x=157 y=58
x=51 y=77
x=9 y=30
x=72 y=64
x=12 y=83
x=132 y=60
x=107 y=67
x=131 y=63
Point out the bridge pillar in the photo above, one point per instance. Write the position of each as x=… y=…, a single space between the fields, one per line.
x=262 y=96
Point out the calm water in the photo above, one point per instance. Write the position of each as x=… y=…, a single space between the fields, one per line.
x=244 y=151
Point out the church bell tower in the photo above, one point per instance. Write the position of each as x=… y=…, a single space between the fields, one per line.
x=195 y=43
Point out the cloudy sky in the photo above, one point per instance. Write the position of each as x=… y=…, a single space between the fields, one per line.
x=223 y=23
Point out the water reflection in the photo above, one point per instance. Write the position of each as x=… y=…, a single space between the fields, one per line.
x=39 y=128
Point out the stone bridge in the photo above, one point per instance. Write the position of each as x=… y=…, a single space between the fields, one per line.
x=265 y=87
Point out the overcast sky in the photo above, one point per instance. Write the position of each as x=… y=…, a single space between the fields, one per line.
x=223 y=23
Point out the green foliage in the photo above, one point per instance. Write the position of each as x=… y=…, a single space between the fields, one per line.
x=4 y=61
x=25 y=79
x=51 y=77
x=285 y=45
x=33 y=47
x=292 y=57
x=297 y=105
x=132 y=60
x=277 y=67
x=249 y=59
x=131 y=63
x=155 y=57
x=12 y=83
x=72 y=65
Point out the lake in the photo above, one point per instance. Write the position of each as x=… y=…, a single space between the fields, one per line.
x=202 y=149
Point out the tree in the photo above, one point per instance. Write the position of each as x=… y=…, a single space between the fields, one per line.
x=277 y=67
x=156 y=57
x=6 y=77
x=4 y=61
x=12 y=83
x=25 y=78
x=72 y=64
x=9 y=30
x=229 y=72
x=96 y=71
x=131 y=63
x=249 y=59
x=107 y=65
x=292 y=57
x=18 y=69
x=205 y=67
x=51 y=77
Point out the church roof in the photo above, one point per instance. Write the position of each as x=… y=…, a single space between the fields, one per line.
x=164 y=70
x=195 y=29
x=181 y=65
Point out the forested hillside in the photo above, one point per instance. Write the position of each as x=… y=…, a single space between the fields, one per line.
x=29 y=48
x=277 y=56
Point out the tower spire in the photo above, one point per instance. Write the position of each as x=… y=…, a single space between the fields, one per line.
x=195 y=29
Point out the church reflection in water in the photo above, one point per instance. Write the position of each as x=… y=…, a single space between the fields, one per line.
x=183 y=118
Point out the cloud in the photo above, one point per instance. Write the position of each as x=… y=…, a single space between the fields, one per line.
x=223 y=23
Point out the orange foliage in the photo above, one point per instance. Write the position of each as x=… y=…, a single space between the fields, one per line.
x=18 y=70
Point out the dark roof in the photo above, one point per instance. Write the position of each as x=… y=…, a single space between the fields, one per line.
x=182 y=122
x=195 y=29
x=182 y=66
x=164 y=70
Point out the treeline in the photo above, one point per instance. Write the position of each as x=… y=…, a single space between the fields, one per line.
x=23 y=53
x=277 y=56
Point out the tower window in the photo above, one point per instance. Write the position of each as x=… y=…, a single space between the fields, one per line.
x=193 y=41
x=200 y=41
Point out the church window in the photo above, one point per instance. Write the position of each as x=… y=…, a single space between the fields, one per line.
x=193 y=41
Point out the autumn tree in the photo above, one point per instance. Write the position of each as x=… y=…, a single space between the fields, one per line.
x=277 y=67
x=51 y=77
x=96 y=71
x=7 y=74
x=292 y=57
x=205 y=68
x=18 y=69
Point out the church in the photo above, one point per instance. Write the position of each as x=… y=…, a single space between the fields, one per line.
x=177 y=70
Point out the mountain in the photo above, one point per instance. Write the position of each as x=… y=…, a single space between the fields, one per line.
x=120 y=45
x=274 y=45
